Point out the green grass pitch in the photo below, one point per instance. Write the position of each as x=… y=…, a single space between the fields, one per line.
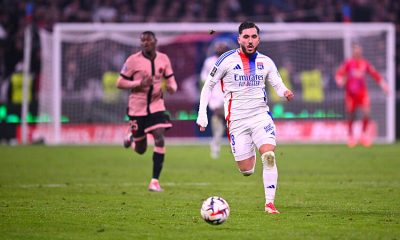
x=100 y=192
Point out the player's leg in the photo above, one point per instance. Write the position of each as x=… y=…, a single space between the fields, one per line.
x=129 y=139
x=366 y=139
x=157 y=124
x=351 y=140
x=264 y=137
x=140 y=145
x=136 y=138
x=246 y=166
x=242 y=147
x=217 y=127
x=158 y=158
x=270 y=176
x=350 y=109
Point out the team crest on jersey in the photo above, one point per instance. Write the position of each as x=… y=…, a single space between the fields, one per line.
x=212 y=73
x=260 y=65
x=160 y=70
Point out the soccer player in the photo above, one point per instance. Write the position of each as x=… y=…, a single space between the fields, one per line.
x=242 y=73
x=142 y=74
x=351 y=75
x=216 y=103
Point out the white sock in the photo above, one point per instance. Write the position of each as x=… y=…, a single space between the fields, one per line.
x=270 y=179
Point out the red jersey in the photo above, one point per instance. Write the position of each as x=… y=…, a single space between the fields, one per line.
x=354 y=71
x=143 y=101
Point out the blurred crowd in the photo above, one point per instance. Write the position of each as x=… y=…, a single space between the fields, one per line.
x=15 y=15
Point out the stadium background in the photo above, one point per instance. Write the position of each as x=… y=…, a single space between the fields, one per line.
x=100 y=192
x=15 y=15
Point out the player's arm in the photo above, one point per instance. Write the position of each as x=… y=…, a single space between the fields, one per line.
x=172 y=86
x=274 y=78
x=125 y=82
x=377 y=77
x=340 y=75
x=213 y=77
x=131 y=79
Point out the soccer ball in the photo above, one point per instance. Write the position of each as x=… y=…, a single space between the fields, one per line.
x=215 y=210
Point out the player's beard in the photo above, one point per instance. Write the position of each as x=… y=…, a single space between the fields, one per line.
x=246 y=52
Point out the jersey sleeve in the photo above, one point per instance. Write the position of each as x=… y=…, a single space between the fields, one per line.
x=129 y=78
x=274 y=78
x=127 y=69
x=169 y=75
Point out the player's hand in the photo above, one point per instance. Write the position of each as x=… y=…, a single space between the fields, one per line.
x=171 y=89
x=202 y=121
x=146 y=80
x=384 y=87
x=288 y=95
x=340 y=82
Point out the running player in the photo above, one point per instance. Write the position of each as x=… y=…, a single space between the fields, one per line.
x=351 y=74
x=242 y=73
x=142 y=74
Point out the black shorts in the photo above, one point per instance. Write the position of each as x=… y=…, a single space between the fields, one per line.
x=141 y=125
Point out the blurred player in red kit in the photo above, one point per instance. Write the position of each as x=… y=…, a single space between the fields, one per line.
x=142 y=74
x=352 y=76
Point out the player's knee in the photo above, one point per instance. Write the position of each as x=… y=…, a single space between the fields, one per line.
x=247 y=173
x=140 y=150
x=158 y=140
x=268 y=159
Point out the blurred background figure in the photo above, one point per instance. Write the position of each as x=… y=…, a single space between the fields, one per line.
x=351 y=75
x=216 y=103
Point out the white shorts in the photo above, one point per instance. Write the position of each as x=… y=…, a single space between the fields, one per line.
x=246 y=133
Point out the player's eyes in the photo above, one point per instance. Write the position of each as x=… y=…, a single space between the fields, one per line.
x=254 y=36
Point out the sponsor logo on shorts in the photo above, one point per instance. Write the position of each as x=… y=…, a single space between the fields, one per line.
x=269 y=128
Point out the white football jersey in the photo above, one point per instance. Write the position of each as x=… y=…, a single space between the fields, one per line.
x=243 y=83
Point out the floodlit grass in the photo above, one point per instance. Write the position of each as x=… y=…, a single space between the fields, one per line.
x=100 y=192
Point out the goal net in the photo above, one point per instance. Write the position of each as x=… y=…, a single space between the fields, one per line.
x=79 y=102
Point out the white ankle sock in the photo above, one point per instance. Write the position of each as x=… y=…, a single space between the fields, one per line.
x=270 y=179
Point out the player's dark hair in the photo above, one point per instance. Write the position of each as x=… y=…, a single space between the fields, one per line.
x=149 y=33
x=246 y=25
